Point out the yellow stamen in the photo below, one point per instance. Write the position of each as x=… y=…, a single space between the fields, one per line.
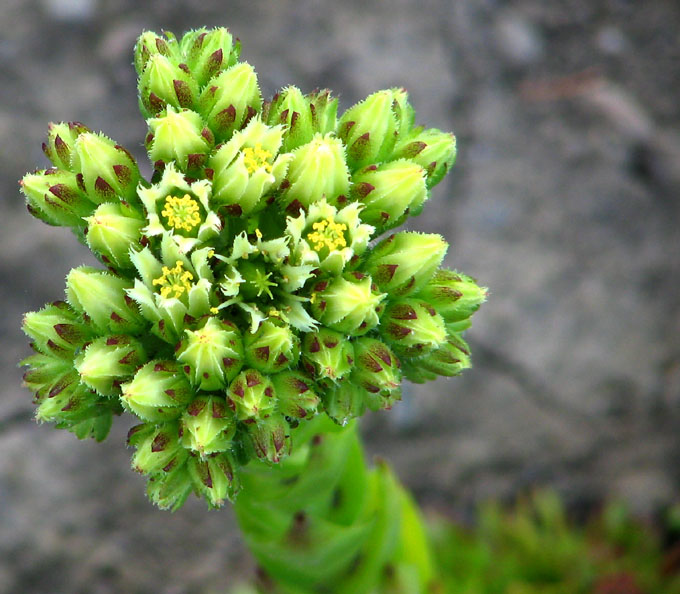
x=182 y=213
x=258 y=233
x=214 y=310
x=256 y=158
x=174 y=281
x=327 y=234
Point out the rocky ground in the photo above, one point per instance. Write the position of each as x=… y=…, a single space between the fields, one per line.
x=564 y=201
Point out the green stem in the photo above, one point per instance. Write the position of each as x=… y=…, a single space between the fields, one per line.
x=323 y=521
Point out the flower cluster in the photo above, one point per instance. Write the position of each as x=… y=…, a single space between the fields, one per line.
x=246 y=287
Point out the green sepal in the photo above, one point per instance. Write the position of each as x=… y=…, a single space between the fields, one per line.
x=212 y=354
x=344 y=401
x=272 y=348
x=450 y=359
x=112 y=231
x=159 y=391
x=209 y=51
x=404 y=262
x=103 y=298
x=433 y=150
x=169 y=490
x=54 y=196
x=230 y=99
x=454 y=295
x=295 y=395
x=327 y=354
x=292 y=110
x=207 y=426
x=108 y=361
x=270 y=438
x=251 y=396
x=214 y=477
x=348 y=303
x=57 y=330
x=61 y=139
x=377 y=369
x=163 y=83
x=412 y=327
x=368 y=130
x=149 y=44
x=107 y=171
x=158 y=447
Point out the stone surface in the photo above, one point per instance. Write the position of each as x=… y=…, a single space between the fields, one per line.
x=564 y=201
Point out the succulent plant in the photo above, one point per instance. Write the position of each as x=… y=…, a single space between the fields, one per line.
x=245 y=288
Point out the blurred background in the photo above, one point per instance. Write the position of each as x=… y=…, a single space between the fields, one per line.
x=564 y=201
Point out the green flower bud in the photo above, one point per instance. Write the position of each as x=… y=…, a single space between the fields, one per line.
x=274 y=347
x=455 y=296
x=109 y=172
x=54 y=196
x=327 y=354
x=230 y=99
x=270 y=438
x=158 y=448
x=294 y=393
x=405 y=261
x=112 y=231
x=108 y=361
x=433 y=150
x=247 y=167
x=377 y=369
x=390 y=192
x=164 y=83
x=212 y=354
x=149 y=44
x=368 y=130
x=251 y=396
x=317 y=170
x=214 y=477
x=450 y=359
x=403 y=112
x=169 y=490
x=349 y=305
x=209 y=51
x=344 y=401
x=61 y=139
x=207 y=425
x=324 y=110
x=57 y=330
x=159 y=391
x=103 y=298
x=292 y=110
x=69 y=402
x=412 y=327
x=44 y=371
x=179 y=136
x=414 y=372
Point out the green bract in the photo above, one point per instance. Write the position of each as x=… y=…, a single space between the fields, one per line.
x=245 y=288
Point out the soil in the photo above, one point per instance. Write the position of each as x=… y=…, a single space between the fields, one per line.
x=564 y=202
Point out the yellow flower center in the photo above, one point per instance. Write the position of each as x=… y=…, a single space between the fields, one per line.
x=257 y=157
x=174 y=281
x=327 y=234
x=182 y=213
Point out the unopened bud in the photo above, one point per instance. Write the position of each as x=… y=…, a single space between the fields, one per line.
x=169 y=490
x=159 y=391
x=327 y=354
x=324 y=110
x=54 y=196
x=390 y=192
x=405 y=261
x=103 y=298
x=208 y=426
x=108 y=361
x=344 y=401
x=149 y=44
x=251 y=396
x=179 y=136
x=291 y=109
x=209 y=51
x=412 y=327
x=270 y=438
x=230 y=99
x=272 y=348
x=348 y=305
x=403 y=112
x=214 y=477
x=57 y=330
x=377 y=369
x=112 y=230
x=368 y=130
x=450 y=359
x=295 y=395
x=158 y=447
x=108 y=171
x=212 y=354
x=61 y=139
x=164 y=83
x=433 y=150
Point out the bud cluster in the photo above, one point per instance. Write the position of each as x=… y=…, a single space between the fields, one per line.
x=246 y=288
